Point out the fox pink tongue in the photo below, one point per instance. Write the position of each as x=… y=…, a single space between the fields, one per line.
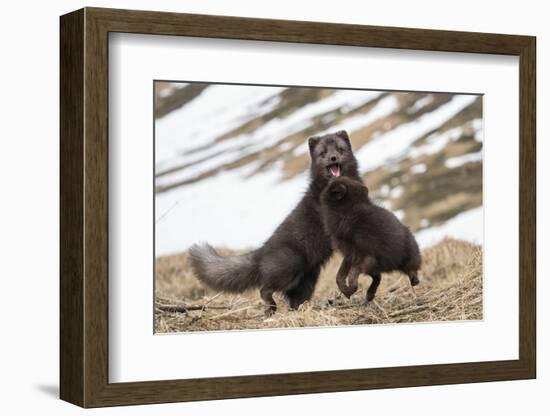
x=335 y=170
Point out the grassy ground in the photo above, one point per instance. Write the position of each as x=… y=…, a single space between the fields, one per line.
x=450 y=289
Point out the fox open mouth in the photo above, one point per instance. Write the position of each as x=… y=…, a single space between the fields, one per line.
x=334 y=170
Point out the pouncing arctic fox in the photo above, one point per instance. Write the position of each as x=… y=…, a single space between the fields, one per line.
x=371 y=239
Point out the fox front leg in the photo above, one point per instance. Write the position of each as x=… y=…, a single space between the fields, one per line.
x=353 y=281
x=341 y=276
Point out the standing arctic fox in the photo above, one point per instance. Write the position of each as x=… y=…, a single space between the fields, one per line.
x=371 y=238
x=291 y=259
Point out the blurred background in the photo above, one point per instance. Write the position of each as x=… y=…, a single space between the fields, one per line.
x=231 y=161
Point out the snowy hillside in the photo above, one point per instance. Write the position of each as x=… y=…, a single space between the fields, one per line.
x=231 y=161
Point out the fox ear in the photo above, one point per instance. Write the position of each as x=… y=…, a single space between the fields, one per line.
x=344 y=136
x=312 y=142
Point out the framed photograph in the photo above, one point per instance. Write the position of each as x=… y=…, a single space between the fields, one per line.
x=255 y=207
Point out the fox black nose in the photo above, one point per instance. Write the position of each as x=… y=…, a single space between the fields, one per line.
x=333 y=158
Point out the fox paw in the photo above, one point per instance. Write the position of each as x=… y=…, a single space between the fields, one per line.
x=269 y=312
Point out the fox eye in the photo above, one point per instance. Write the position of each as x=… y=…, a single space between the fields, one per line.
x=340 y=150
x=323 y=154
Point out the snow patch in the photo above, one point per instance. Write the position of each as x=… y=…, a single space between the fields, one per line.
x=467 y=226
x=350 y=124
x=384 y=108
x=227 y=151
x=477 y=124
x=418 y=168
x=384 y=190
x=217 y=110
x=423 y=102
x=396 y=192
x=396 y=142
x=283 y=147
x=455 y=162
x=226 y=210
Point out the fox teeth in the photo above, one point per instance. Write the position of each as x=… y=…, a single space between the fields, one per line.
x=334 y=170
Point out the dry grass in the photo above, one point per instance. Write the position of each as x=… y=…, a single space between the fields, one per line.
x=450 y=290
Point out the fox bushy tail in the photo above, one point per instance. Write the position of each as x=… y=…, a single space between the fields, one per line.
x=232 y=274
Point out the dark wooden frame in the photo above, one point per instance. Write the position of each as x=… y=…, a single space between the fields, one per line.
x=84 y=207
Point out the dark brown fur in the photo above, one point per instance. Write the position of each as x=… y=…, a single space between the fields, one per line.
x=371 y=238
x=291 y=259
